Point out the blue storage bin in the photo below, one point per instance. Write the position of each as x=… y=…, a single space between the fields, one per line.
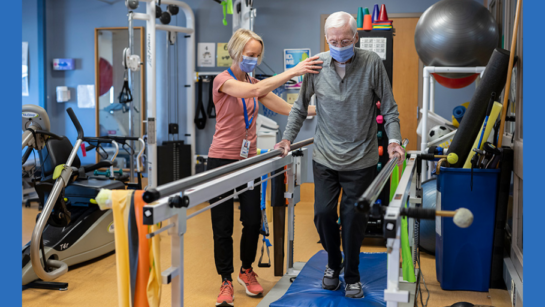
x=464 y=255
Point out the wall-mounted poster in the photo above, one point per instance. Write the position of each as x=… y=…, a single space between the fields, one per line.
x=206 y=54
x=224 y=60
x=292 y=57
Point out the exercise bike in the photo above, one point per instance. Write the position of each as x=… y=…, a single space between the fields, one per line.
x=71 y=229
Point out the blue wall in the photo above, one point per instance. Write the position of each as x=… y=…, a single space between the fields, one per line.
x=70 y=28
x=30 y=35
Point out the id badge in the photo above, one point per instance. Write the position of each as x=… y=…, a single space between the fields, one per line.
x=245 y=149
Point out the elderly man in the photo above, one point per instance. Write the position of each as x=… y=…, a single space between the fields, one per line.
x=346 y=150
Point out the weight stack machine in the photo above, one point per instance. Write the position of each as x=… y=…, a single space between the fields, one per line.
x=382 y=43
x=173 y=156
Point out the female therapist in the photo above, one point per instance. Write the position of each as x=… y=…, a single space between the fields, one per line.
x=236 y=97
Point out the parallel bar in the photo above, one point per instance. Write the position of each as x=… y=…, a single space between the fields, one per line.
x=161 y=210
x=371 y=194
x=180 y=185
x=219 y=202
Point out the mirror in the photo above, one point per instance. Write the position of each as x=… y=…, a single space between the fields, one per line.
x=114 y=117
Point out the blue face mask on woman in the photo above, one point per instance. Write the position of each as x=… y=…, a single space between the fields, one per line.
x=247 y=64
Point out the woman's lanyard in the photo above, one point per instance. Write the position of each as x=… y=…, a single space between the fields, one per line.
x=248 y=122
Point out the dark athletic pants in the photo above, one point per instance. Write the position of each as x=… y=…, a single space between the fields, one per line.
x=328 y=184
x=223 y=221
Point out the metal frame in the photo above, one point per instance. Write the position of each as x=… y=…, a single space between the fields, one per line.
x=392 y=220
x=164 y=210
x=193 y=195
x=151 y=72
x=428 y=103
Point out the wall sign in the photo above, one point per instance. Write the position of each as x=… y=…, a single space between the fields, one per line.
x=292 y=57
x=206 y=55
x=224 y=59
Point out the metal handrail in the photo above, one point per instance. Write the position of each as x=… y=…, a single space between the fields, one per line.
x=183 y=184
x=373 y=191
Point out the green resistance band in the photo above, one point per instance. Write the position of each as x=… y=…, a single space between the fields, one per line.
x=227 y=9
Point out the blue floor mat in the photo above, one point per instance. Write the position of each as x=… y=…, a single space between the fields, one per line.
x=306 y=290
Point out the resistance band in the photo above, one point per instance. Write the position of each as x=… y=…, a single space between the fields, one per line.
x=200 y=114
x=211 y=110
x=264 y=224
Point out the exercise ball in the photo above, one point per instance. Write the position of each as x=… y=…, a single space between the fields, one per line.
x=455 y=83
x=427 y=227
x=456 y=33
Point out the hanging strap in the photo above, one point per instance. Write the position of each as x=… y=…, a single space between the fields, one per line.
x=200 y=114
x=125 y=96
x=211 y=106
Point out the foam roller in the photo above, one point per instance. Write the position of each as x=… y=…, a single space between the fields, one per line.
x=458 y=113
x=492 y=81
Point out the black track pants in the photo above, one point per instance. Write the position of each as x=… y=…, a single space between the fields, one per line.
x=223 y=221
x=328 y=184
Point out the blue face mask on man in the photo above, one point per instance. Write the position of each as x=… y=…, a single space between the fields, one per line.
x=247 y=64
x=342 y=54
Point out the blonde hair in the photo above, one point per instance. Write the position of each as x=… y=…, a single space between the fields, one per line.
x=239 y=40
x=338 y=20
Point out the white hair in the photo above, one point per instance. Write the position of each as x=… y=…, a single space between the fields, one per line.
x=338 y=20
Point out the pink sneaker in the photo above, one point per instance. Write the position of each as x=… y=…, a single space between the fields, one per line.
x=227 y=295
x=249 y=281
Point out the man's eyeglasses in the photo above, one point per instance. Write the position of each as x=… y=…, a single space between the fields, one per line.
x=343 y=43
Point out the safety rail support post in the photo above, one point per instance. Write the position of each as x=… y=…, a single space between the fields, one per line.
x=392 y=224
x=177 y=257
x=293 y=195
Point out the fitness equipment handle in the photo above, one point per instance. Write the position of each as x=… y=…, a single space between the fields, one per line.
x=370 y=195
x=183 y=184
x=75 y=121
x=60 y=267
x=49 y=133
x=419 y=213
x=26 y=154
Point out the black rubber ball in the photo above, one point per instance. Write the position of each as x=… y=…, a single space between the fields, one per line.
x=131 y=4
x=173 y=9
x=165 y=18
x=158 y=11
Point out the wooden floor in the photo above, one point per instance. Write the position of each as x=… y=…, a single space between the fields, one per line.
x=95 y=283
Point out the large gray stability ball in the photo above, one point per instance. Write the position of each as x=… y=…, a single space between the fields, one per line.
x=457 y=33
